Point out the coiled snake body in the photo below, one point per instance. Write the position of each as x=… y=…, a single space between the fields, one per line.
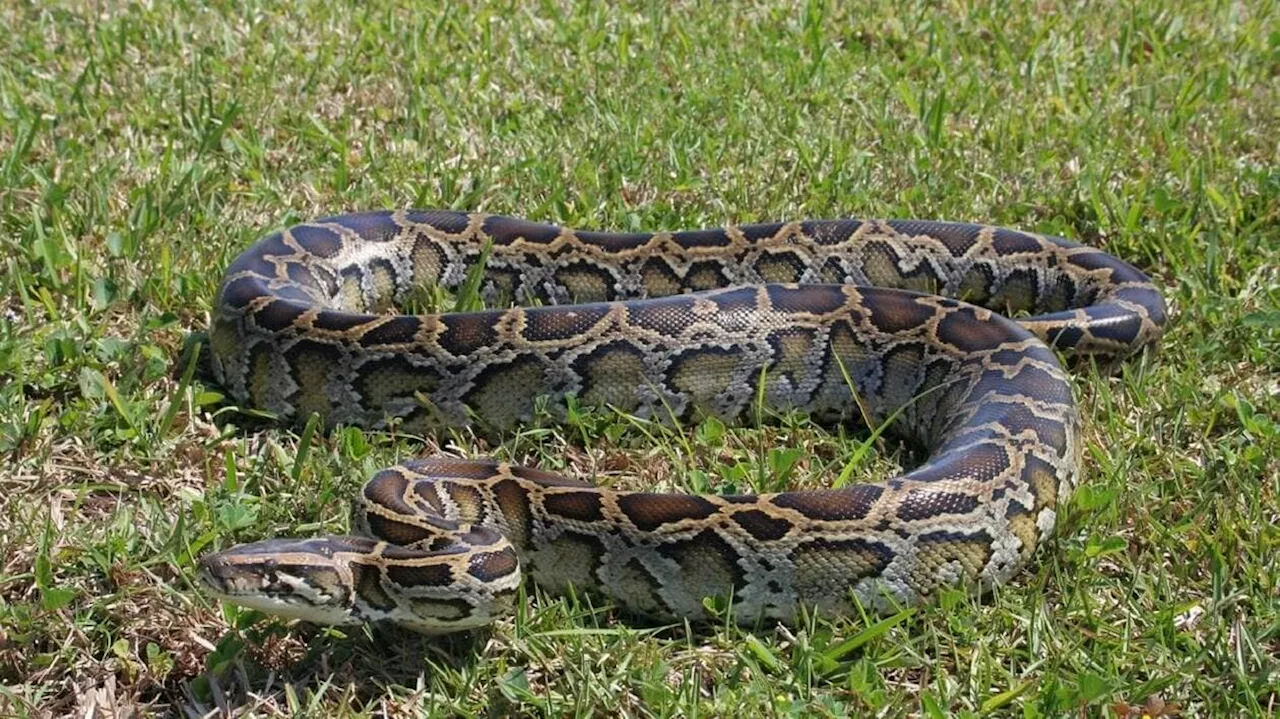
x=849 y=320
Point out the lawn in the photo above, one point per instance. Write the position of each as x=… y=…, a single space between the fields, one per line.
x=143 y=146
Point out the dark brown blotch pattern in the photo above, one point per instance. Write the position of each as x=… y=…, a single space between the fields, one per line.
x=650 y=511
x=614 y=241
x=446 y=221
x=419 y=574
x=926 y=503
x=468 y=332
x=395 y=532
x=575 y=506
x=668 y=315
x=832 y=505
x=491 y=566
x=376 y=226
x=957 y=237
x=830 y=232
x=322 y=242
x=336 y=321
x=388 y=488
x=756 y=233
x=761 y=525
x=368 y=586
x=242 y=291
x=507 y=230
x=551 y=324
x=961 y=329
x=808 y=299
x=513 y=503
x=279 y=315
x=398 y=330
x=894 y=312
x=714 y=237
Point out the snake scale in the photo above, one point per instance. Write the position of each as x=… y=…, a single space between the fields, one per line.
x=853 y=321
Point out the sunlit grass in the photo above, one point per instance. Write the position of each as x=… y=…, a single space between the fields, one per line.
x=142 y=146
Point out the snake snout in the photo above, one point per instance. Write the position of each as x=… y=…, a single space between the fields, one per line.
x=209 y=577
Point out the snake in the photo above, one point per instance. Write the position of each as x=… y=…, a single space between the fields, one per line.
x=953 y=338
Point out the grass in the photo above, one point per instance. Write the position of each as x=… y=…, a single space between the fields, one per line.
x=142 y=146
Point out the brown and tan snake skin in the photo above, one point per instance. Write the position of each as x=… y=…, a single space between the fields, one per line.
x=670 y=325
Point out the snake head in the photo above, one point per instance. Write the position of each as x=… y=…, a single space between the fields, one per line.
x=350 y=580
x=311 y=579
